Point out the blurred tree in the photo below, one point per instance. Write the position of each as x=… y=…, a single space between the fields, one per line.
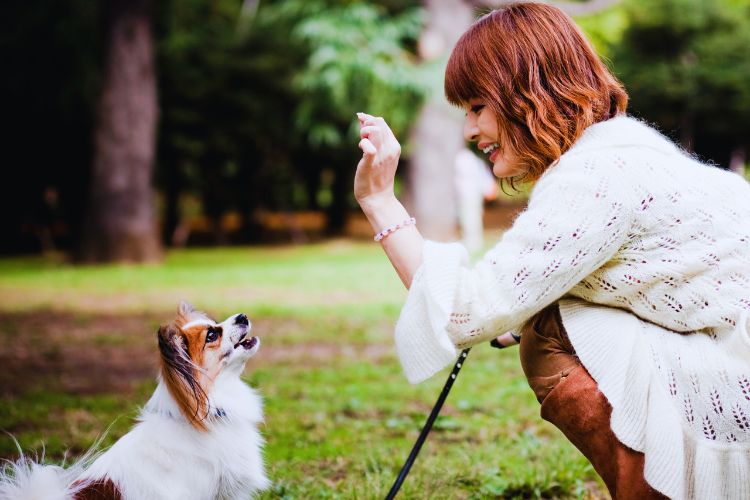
x=438 y=133
x=686 y=65
x=226 y=104
x=258 y=101
x=121 y=222
x=359 y=61
x=50 y=52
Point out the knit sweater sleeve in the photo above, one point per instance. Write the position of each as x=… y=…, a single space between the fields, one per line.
x=578 y=216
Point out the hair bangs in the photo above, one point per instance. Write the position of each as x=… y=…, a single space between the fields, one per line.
x=463 y=80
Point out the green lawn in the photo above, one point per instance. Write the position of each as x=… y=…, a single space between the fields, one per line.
x=79 y=350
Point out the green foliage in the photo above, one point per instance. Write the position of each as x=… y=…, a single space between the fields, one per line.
x=226 y=100
x=604 y=29
x=259 y=110
x=724 y=74
x=686 y=66
x=358 y=62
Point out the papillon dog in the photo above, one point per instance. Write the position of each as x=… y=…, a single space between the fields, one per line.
x=196 y=438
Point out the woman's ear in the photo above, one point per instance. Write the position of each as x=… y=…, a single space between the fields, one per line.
x=180 y=376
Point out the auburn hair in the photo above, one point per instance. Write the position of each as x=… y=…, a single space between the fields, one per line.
x=534 y=68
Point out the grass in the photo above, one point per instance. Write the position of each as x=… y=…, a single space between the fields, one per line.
x=271 y=281
x=340 y=416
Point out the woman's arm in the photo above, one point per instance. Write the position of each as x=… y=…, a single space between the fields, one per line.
x=403 y=247
x=579 y=215
x=373 y=189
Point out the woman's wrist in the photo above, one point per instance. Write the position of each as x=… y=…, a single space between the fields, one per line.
x=507 y=339
x=377 y=202
x=383 y=211
x=392 y=229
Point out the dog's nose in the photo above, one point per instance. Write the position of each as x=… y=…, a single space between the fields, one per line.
x=241 y=319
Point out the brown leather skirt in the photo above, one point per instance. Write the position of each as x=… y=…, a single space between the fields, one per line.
x=573 y=403
x=547 y=356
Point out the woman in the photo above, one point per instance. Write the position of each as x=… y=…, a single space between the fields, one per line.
x=628 y=275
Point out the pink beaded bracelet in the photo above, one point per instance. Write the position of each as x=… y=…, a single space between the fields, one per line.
x=392 y=229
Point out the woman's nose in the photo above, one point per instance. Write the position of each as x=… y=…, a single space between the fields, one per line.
x=471 y=131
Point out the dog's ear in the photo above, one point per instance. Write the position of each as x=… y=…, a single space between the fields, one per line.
x=173 y=346
x=179 y=374
x=184 y=310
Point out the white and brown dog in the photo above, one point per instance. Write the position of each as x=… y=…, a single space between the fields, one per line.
x=197 y=436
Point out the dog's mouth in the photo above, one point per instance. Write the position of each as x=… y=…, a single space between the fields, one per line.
x=245 y=342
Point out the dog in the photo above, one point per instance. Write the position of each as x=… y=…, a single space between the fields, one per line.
x=196 y=438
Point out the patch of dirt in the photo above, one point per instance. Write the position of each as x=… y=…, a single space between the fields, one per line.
x=81 y=355
x=109 y=353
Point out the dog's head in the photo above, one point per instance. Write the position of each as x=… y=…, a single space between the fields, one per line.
x=195 y=351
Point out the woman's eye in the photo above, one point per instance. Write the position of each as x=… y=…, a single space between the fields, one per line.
x=477 y=108
x=212 y=335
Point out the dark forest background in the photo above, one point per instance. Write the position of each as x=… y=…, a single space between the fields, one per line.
x=135 y=125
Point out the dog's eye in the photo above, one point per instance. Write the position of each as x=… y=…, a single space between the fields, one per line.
x=212 y=334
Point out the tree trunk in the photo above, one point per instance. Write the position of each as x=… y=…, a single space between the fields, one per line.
x=438 y=134
x=121 y=222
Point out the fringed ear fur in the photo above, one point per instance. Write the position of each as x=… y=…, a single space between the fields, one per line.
x=179 y=374
x=184 y=310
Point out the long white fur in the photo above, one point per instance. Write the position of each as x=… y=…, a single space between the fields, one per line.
x=163 y=456
x=27 y=479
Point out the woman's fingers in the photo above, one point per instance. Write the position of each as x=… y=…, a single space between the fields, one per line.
x=369 y=151
x=371 y=132
x=365 y=131
x=378 y=143
x=364 y=117
x=380 y=155
x=385 y=132
x=366 y=120
x=378 y=131
x=367 y=147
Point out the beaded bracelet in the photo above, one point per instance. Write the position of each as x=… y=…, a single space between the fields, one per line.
x=392 y=229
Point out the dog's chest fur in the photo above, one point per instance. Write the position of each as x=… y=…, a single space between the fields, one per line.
x=164 y=457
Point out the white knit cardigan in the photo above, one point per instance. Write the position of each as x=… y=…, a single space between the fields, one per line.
x=637 y=241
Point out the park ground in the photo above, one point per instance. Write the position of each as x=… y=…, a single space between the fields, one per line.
x=77 y=347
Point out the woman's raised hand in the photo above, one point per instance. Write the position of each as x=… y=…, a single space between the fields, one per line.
x=377 y=168
x=373 y=189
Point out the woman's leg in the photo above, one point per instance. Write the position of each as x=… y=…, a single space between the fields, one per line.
x=573 y=403
x=547 y=356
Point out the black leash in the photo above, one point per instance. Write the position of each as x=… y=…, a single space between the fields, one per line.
x=428 y=425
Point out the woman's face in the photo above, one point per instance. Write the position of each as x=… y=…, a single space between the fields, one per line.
x=480 y=126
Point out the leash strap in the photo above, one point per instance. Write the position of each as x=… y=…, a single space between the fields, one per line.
x=428 y=425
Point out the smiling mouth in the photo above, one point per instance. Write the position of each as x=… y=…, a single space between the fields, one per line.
x=490 y=148
x=249 y=343
x=246 y=343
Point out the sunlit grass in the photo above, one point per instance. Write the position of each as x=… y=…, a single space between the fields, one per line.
x=489 y=442
x=353 y=278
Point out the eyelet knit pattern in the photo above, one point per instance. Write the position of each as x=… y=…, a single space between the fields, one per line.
x=650 y=250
